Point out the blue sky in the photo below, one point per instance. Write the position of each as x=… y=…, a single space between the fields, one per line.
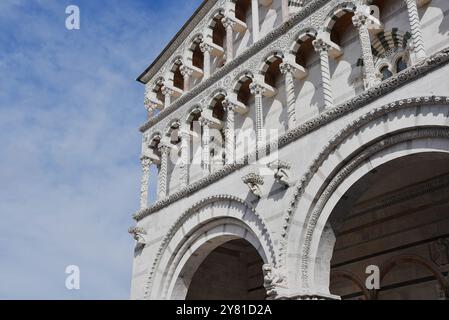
x=69 y=115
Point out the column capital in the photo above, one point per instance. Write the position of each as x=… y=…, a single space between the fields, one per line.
x=146 y=161
x=256 y=88
x=205 y=47
x=359 y=19
x=320 y=45
x=164 y=147
x=185 y=71
x=234 y=106
x=166 y=91
x=205 y=121
x=228 y=22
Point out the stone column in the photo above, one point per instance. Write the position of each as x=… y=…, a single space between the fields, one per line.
x=285 y=10
x=206 y=49
x=230 y=131
x=186 y=72
x=146 y=164
x=255 y=18
x=229 y=24
x=360 y=22
x=257 y=90
x=205 y=145
x=167 y=92
x=323 y=50
x=185 y=156
x=164 y=150
x=287 y=70
x=415 y=24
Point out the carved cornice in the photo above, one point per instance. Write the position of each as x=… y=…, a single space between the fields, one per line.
x=412 y=73
x=187 y=214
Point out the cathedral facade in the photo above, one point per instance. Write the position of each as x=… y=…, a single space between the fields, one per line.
x=297 y=150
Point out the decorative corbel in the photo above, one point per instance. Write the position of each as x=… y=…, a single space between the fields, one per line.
x=281 y=171
x=254 y=183
x=274 y=281
x=139 y=234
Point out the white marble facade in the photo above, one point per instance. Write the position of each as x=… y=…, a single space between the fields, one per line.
x=262 y=114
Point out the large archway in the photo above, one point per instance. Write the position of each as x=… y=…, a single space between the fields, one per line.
x=395 y=217
x=233 y=271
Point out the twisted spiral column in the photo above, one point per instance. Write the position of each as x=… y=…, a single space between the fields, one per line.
x=323 y=50
x=228 y=23
x=415 y=24
x=164 y=150
x=257 y=90
x=184 y=166
x=359 y=21
x=144 y=185
x=230 y=131
x=287 y=70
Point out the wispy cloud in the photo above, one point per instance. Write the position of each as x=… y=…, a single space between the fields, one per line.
x=69 y=113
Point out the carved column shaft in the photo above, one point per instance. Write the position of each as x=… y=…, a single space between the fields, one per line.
x=323 y=50
x=163 y=174
x=230 y=132
x=146 y=164
x=185 y=155
x=415 y=24
x=287 y=71
x=167 y=92
x=228 y=24
x=359 y=20
x=205 y=147
x=258 y=91
x=206 y=49
x=255 y=19
x=186 y=72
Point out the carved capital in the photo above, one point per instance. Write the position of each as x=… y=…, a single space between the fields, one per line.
x=359 y=19
x=228 y=23
x=145 y=162
x=286 y=67
x=185 y=71
x=167 y=91
x=321 y=45
x=205 y=47
x=256 y=89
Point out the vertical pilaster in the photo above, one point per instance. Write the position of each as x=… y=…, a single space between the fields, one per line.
x=323 y=50
x=255 y=19
x=146 y=164
x=360 y=22
x=257 y=90
x=287 y=70
x=228 y=23
x=163 y=174
x=415 y=24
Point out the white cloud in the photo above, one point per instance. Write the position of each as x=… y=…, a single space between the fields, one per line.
x=69 y=113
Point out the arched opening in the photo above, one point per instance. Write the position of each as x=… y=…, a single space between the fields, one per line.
x=347 y=76
x=399 y=209
x=244 y=38
x=246 y=138
x=309 y=91
x=232 y=271
x=178 y=79
x=242 y=10
x=217 y=134
x=275 y=110
x=198 y=57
